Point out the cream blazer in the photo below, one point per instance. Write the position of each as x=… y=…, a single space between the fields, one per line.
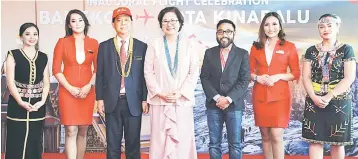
x=159 y=79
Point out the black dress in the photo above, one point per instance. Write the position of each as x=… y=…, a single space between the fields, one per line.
x=24 y=129
x=333 y=124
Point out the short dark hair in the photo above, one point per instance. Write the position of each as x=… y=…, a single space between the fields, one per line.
x=225 y=21
x=174 y=10
x=262 y=36
x=69 y=31
x=24 y=26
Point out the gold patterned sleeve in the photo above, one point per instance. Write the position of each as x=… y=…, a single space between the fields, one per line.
x=9 y=53
x=348 y=54
x=307 y=57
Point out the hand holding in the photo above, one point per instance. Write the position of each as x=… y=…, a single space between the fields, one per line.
x=262 y=79
x=84 y=91
x=75 y=91
x=38 y=105
x=318 y=101
x=271 y=80
x=173 y=97
x=222 y=102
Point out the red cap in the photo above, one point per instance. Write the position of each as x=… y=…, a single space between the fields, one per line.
x=121 y=10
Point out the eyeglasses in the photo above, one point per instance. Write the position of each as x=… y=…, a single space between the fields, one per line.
x=227 y=32
x=170 y=21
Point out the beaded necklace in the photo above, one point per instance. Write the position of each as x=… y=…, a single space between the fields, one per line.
x=173 y=69
x=325 y=60
x=123 y=72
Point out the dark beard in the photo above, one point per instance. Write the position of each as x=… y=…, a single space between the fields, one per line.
x=221 y=45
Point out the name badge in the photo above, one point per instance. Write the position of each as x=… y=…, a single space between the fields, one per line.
x=280 y=52
x=138 y=58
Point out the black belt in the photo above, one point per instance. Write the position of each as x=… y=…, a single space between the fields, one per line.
x=122 y=95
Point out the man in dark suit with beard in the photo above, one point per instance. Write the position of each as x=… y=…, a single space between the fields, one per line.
x=225 y=76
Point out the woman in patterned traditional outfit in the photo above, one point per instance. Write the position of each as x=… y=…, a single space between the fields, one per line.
x=171 y=70
x=328 y=73
x=27 y=77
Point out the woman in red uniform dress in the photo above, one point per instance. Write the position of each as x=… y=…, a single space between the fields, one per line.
x=269 y=59
x=78 y=53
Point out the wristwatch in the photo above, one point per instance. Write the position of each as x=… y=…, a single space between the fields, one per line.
x=255 y=78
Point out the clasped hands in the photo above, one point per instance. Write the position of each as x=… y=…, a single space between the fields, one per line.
x=322 y=101
x=222 y=102
x=32 y=108
x=80 y=92
x=170 y=97
x=268 y=80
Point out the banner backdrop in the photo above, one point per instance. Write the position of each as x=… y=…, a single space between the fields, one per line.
x=299 y=21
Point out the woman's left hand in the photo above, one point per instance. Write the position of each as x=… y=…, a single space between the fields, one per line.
x=38 y=105
x=326 y=99
x=84 y=91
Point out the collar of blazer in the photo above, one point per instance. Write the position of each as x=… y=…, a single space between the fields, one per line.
x=87 y=43
x=232 y=55
x=115 y=54
x=72 y=37
x=281 y=50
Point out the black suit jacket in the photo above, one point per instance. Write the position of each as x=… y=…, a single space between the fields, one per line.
x=232 y=82
x=108 y=77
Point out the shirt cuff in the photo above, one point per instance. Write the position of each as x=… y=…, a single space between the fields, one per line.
x=229 y=99
x=216 y=97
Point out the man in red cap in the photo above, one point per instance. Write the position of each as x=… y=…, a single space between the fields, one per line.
x=121 y=92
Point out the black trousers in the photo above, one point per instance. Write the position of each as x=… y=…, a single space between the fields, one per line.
x=117 y=122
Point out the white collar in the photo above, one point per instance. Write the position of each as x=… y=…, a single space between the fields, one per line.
x=119 y=39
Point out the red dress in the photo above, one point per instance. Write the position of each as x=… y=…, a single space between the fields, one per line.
x=75 y=111
x=272 y=105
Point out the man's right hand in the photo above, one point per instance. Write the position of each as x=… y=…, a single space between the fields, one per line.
x=221 y=102
x=100 y=107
